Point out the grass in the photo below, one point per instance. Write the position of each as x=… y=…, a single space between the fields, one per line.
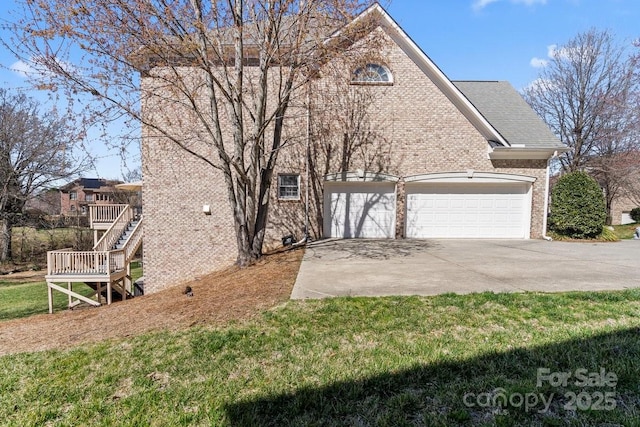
x=29 y=245
x=619 y=232
x=18 y=300
x=348 y=361
x=625 y=231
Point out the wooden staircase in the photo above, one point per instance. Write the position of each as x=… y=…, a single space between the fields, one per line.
x=106 y=269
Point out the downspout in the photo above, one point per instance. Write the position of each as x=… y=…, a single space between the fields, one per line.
x=546 y=199
x=305 y=238
x=308 y=153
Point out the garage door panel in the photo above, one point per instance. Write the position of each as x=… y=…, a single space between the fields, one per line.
x=360 y=210
x=467 y=211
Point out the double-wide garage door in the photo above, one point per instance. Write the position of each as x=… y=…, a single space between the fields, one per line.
x=467 y=210
x=433 y=210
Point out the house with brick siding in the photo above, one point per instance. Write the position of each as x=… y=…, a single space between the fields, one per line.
x=77 y=195
x=393 y=149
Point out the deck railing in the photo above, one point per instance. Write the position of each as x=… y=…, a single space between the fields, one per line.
x=133 y=242
x=105 y=214
x=111 y=236
x=78 y=263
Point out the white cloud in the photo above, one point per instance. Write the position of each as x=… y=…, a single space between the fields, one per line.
x=538 y=63
x=552 y=52
x=481 y=4
x=36 y=67
x=21 y=68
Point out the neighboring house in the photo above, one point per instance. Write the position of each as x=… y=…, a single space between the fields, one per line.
x=435 y=159
x=621 y=210
x=76 y=196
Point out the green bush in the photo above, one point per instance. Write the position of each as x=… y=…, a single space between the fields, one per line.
x=635 y=214
x=577 y=207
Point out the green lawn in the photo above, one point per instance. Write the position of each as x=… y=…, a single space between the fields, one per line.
x=444 y=360
x=19 y=300
x=29 y=245
x=25 y=299
x=625 y=231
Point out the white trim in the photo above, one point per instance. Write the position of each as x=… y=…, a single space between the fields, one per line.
x=288 y=186
x=386 y=187
x=518 y=153
x=468 y=177
x=524 y=186
x=360 y=176
x=388 y=82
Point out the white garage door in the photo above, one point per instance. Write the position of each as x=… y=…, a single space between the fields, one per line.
x=468 y=210
x=360 y=210
x=626 y=218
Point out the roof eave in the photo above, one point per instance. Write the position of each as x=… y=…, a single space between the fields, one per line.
x=523 y=153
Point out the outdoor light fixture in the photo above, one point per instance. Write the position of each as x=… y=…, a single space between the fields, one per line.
x=206 y=209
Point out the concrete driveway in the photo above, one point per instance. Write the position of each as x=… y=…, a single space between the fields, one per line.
x=429 y=267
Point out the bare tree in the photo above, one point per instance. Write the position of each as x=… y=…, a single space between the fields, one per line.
x=35 y=150
x=581 y=94
x=586 y=95
x=231 y=68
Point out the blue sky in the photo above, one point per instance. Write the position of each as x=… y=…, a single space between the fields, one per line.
x=468 y=39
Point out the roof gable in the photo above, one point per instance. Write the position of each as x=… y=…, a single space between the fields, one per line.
x=427 y=66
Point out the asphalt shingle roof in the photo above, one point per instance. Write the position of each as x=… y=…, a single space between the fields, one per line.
x=508 y=113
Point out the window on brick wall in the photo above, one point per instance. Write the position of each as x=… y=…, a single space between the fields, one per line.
x=289 y=187
x=372 y=74
x=88 y=197
x=73 y=195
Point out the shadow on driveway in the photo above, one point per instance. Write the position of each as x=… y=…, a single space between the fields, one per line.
x=360 y=267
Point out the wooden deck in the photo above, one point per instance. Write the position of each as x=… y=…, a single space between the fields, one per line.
x=105 y=282
x=105 y=268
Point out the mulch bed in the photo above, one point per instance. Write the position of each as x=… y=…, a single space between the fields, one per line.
x=230 y=294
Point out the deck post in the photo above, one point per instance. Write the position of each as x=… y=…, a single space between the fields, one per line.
x=50 y=295
x=70 y=290
x=109 y=292
x=99 y=291
x=127 y=279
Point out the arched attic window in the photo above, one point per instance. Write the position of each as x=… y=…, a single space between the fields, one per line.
x=372 y=74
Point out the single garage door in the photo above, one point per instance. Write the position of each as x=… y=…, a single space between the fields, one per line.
x=626 y=218
x=363 y=209
x=468 y=210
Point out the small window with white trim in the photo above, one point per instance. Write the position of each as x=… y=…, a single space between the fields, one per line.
x=289 y=186
x=372 y=74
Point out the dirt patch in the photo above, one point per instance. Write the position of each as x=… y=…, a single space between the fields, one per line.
x=230 y=294
x=24 y=276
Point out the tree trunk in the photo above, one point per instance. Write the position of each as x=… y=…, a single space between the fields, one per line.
x=5 y=239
